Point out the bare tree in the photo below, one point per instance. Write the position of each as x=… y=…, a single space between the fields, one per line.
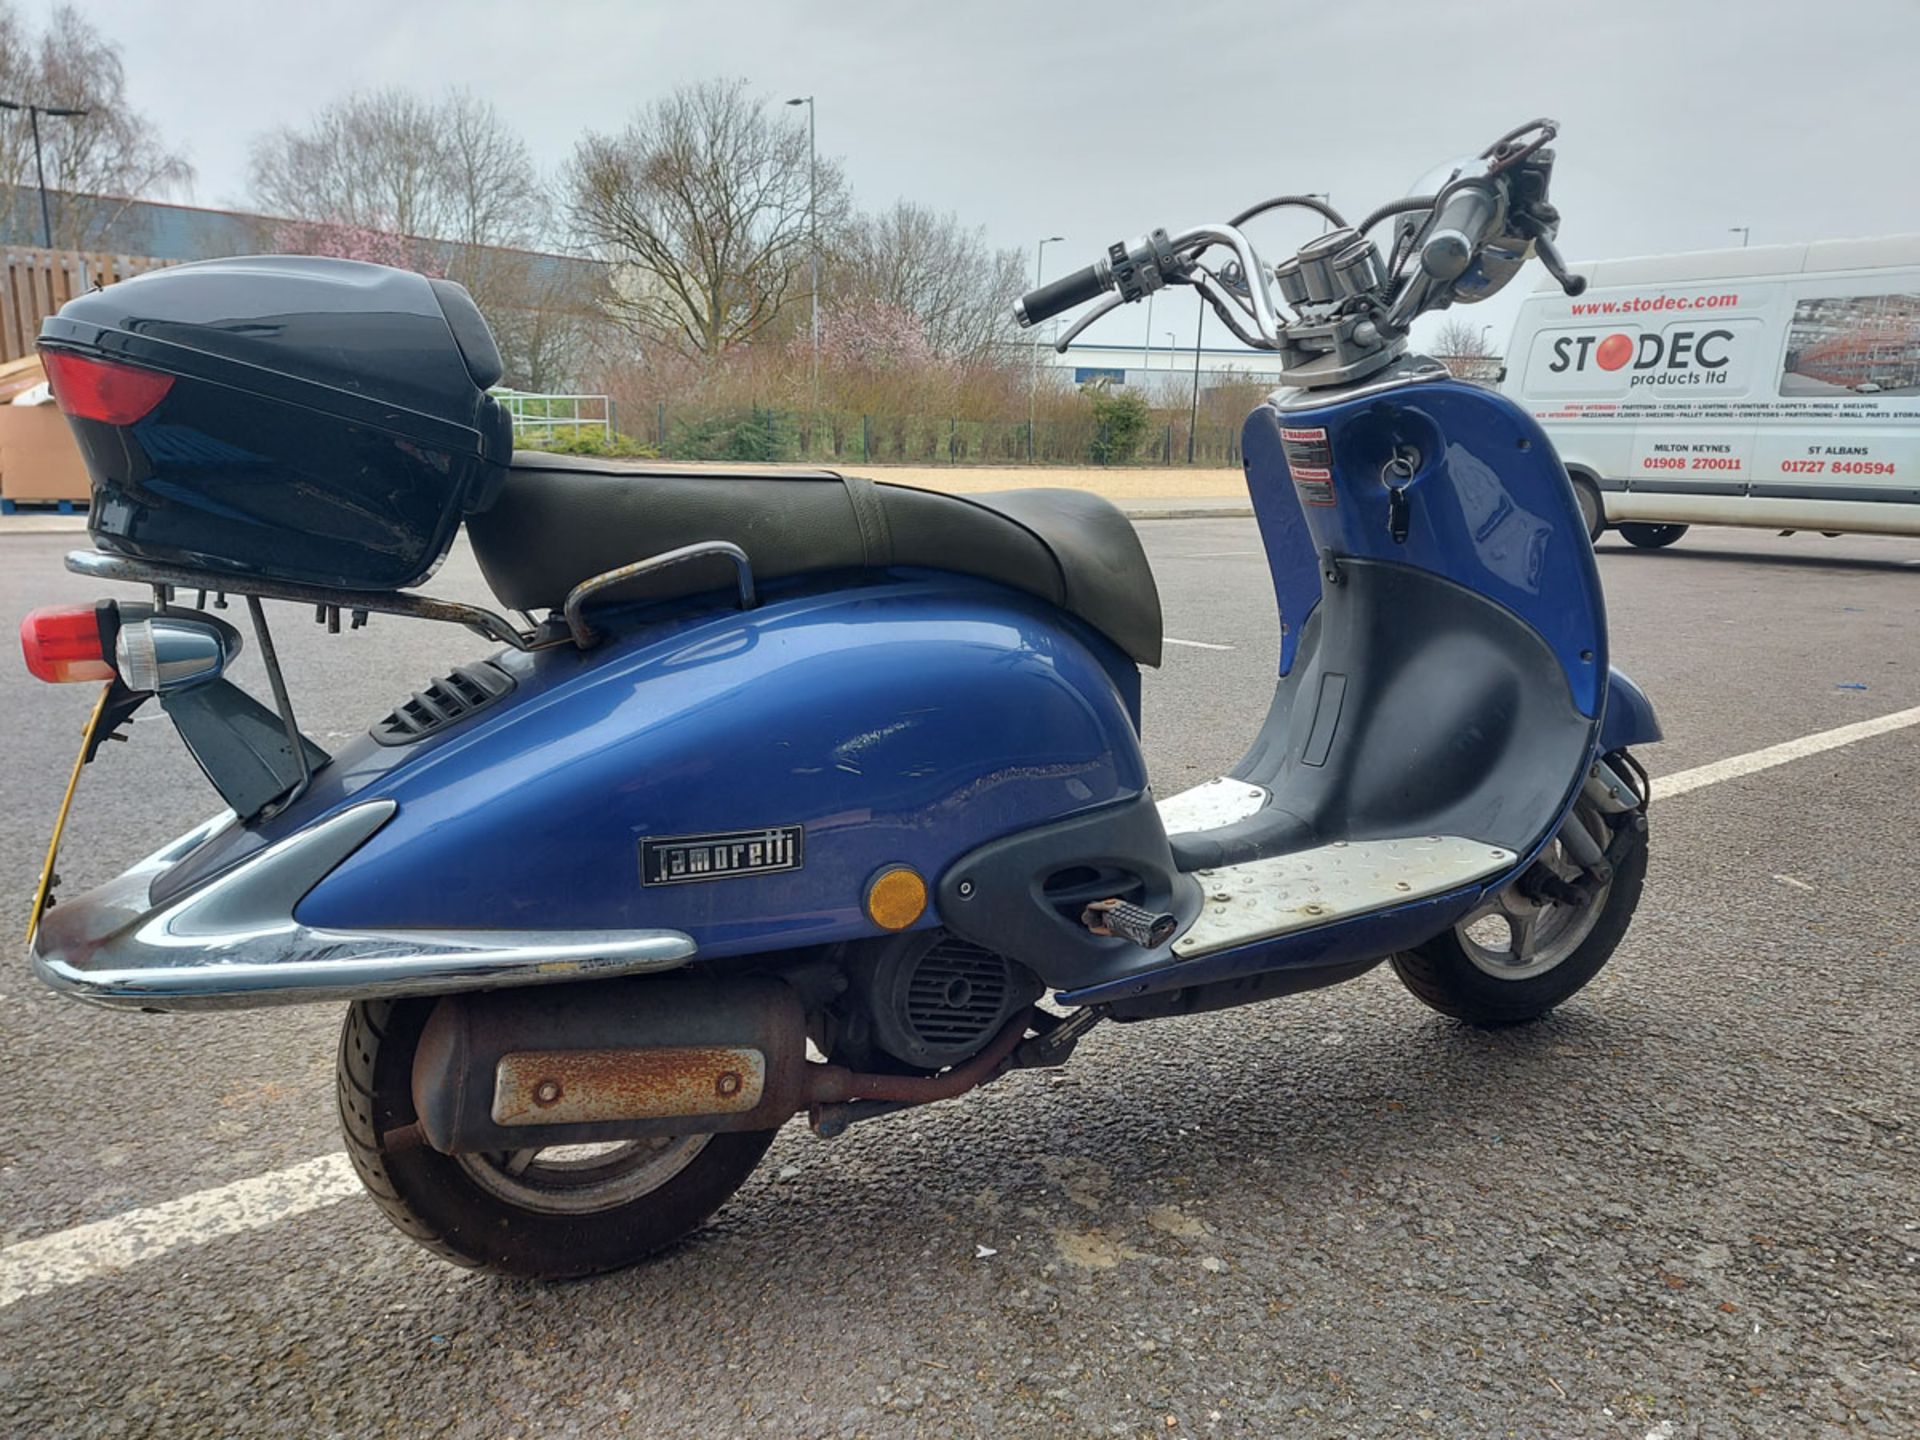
x=1462 y=347
x=111 y=152
x=1462 y=339
x=933 y=268
x=701 y=205
x=548 y=317
x=389 y=160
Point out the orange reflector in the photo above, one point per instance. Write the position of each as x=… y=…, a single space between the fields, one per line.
x=896 y=898
x=63 y=645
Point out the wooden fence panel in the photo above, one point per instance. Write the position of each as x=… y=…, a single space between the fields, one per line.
x=38 y=282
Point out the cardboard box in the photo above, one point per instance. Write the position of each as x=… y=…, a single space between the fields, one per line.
x=38 y=457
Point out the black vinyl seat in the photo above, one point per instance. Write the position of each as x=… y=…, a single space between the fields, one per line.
x=560 y=519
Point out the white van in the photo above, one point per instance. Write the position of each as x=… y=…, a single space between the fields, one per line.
x=1776 y=387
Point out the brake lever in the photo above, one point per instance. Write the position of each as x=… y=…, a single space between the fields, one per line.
x=1541 y=233
x=1556 y=265
x=1105 y=307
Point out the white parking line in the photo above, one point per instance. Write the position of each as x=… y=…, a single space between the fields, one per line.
x=1198 y=644
x=50 y=1262
x=1754 y=761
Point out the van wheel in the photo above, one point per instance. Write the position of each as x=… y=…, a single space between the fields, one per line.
x=1592 y=512
x=1651 y=537
x=546 y=1214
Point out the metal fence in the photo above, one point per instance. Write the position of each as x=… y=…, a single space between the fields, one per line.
x=546 y=420
x=38 y=282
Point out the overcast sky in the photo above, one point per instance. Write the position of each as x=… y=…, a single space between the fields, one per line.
x=1098 y=121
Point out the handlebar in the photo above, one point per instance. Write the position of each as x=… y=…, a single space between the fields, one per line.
x=1059 y=296
x=1458 y=231
x=1490 y=214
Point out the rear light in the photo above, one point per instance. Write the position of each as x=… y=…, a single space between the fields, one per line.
x=103 y=389
x=159 y=654
x=65 y=645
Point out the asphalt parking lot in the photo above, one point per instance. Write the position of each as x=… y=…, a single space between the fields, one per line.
x=1688 y=1204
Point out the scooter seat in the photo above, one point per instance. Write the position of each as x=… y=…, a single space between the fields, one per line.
x=560 y=519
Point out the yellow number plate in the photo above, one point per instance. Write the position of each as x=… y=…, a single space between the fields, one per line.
x=60 y=821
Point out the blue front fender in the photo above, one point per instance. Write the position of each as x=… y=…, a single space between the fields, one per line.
x=1629 y=717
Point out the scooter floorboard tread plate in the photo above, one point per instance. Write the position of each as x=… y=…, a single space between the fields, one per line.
x=1265 y=898
x=1212 y=805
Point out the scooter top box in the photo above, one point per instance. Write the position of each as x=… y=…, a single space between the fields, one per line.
x=282 y=417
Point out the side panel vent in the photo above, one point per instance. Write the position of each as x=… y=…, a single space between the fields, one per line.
x=445 y=702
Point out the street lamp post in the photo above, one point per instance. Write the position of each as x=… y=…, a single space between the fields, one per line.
x=813 y=245
x=1173 y=346
x=1743 y=231
x=1325 y=199
x=1033 y=364
x=34 y=112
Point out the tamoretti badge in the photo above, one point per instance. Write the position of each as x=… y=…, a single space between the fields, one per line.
x=680 y=859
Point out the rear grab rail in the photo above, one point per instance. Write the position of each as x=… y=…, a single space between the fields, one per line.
x=586 y=637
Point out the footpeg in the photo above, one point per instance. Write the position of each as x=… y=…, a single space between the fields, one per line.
x=1146 y=928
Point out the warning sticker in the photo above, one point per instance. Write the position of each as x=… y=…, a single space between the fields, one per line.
x=1315 y=485
x=1310 y=460
x=1308 y=448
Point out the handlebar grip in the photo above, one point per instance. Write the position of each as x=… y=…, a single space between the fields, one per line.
x=1457 y=232
x=1062 y=295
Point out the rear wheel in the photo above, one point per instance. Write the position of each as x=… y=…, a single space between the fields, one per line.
x=1531 y=946
x=550 y=1213
x=1651 y=537
x=1592 y=511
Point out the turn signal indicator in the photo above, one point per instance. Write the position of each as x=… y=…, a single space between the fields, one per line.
x=63 y=645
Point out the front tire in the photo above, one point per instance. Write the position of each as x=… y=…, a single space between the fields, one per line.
x=1650 y=537
x=550 y=1214
x=1550 y=949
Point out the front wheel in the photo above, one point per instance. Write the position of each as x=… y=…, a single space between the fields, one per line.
x=1533 y=944
x=548 y=1214
x=1650 y=537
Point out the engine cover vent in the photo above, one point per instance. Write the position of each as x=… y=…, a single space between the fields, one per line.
x=447 y=701
x=956 y=995
x=936 y=999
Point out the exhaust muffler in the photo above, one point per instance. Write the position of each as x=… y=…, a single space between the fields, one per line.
x=618 y=1060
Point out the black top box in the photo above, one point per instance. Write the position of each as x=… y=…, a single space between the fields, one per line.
x=282 y=417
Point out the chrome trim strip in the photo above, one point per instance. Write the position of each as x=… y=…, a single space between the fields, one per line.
x=1419 y=370
x=233 y=942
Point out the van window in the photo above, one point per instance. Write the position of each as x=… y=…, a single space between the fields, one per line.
x=1854 y=344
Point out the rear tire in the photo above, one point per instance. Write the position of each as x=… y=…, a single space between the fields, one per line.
x=1651 y=537
x=1592 y=510
x=1455 y=975
x=525 y=1215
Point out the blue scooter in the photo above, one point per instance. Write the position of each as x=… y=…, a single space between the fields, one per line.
x=809 y=809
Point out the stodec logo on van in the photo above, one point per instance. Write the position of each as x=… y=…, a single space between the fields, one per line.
x=1679 y=357
x=1688 y=355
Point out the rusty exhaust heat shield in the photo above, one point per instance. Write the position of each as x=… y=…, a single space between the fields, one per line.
x=654 y=1055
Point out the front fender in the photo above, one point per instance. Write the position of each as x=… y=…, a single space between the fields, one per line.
x=1629 y=718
